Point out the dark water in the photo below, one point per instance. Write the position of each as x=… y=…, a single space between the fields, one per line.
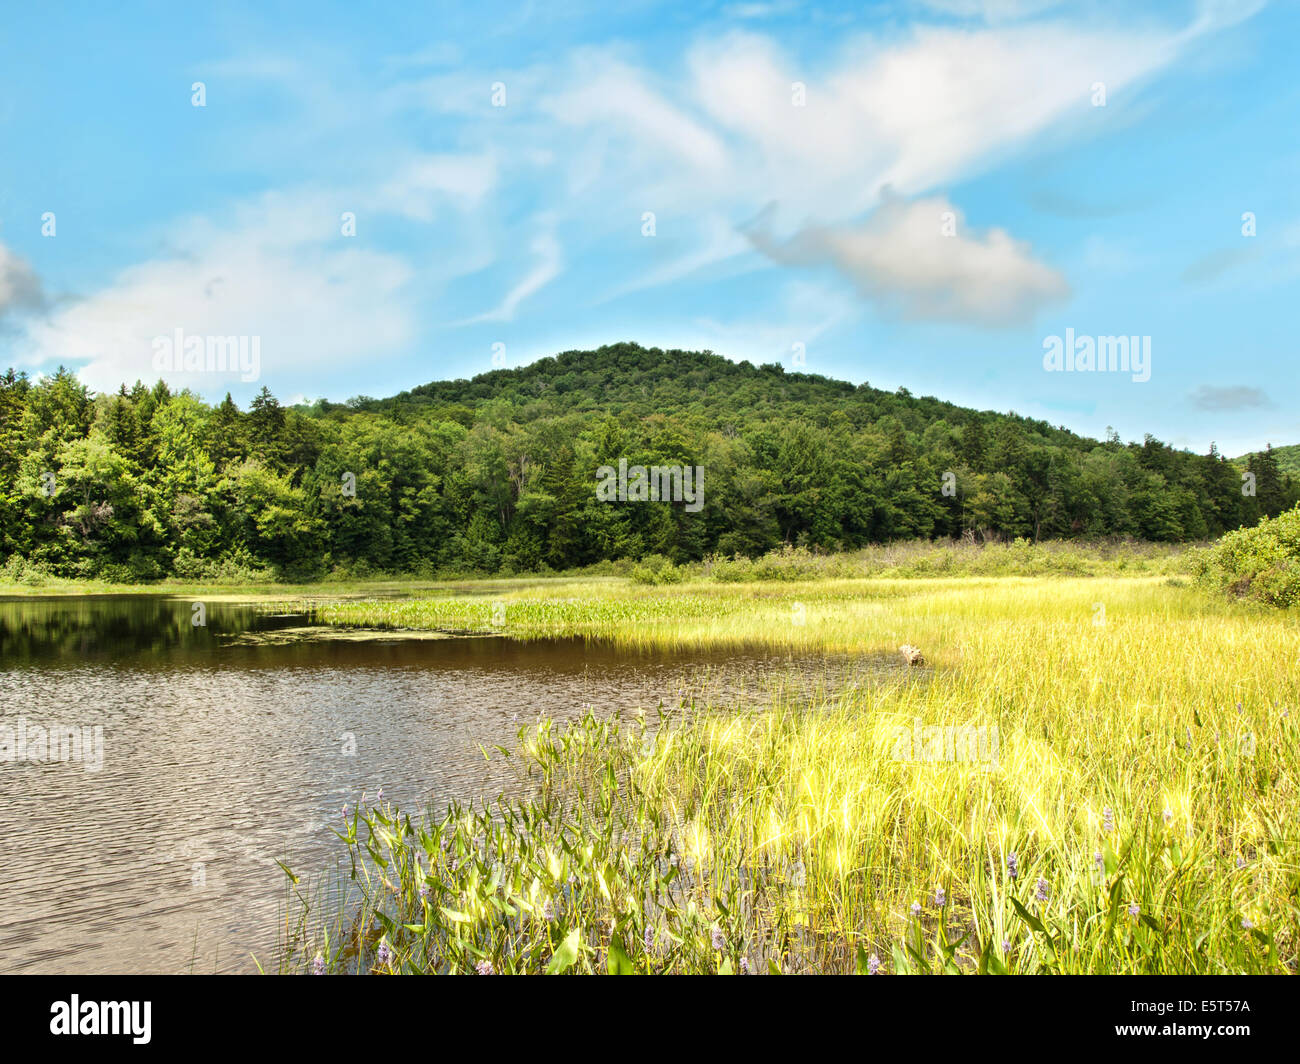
x=153 y=847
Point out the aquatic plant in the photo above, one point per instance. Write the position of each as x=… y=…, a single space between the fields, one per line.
x=790 y=837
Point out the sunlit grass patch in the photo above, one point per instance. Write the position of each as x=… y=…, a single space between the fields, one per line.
x=1139 y=813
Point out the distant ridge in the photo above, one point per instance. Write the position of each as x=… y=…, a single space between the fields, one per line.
x=1288 y=459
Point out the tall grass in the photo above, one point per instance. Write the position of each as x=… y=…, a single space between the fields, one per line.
x=1145 y=782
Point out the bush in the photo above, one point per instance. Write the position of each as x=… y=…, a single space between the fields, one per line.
x=18 y=570
x=657 y=569
x=236 y=567
x=1261 y=563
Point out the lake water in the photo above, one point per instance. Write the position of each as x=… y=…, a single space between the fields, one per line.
x=230 y=745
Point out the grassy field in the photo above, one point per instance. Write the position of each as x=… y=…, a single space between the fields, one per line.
x=1135 y=809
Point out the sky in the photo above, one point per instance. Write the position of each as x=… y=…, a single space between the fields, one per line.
x=916 y=194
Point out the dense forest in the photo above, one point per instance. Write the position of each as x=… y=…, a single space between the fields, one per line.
x=498 y=474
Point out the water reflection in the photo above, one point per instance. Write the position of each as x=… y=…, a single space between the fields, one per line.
x=222 y=754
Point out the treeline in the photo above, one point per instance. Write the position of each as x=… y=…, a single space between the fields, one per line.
x=497 y=474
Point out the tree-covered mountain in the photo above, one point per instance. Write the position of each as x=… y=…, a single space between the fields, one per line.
x=1287 y=458
x=498 y=473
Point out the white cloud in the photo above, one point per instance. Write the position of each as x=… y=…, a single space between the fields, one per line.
x=428 y=183
x=619 y=98
x=313 y=299
x=917 y=113
x=802 y=314
x=704 y=147
x=901 y=259
x=990 y=10
x=549 y=261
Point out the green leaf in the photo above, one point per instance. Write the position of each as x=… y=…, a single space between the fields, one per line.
x=772 y=967
x=862 y=966
x=1029 y=918
x=567 y=954
x=617 y=960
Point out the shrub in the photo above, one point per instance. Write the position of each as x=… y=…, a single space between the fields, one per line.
x=657 y=569
x=18 y=570
x=1262 y=563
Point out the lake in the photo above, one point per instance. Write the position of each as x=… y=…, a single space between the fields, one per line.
x=233 y=744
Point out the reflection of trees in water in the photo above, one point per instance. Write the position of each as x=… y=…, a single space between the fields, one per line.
x=72 y=630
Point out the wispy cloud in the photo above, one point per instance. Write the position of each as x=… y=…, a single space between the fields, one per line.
x=548 y=262
x=279 y=273
x=592 y=137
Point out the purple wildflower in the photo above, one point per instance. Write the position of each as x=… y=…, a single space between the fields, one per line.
x=940 y=898
x=719 y=943
x=1169 y=817
x=485 y=968
x=649 y=938
x=1099 y=860
x=384 y=954
x=916 y=908
x=380 y=796
x=1006 y=946
x=1241 y=862
x=1107 y=819
x=1133 y=910
x=744 y=966
x=1013 y=868
x=1040 y=889
x=424 y=891
x=1247 y=923
x=873 y=965
x=318 y=965
x=548 y=910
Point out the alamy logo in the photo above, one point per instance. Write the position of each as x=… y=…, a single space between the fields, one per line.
x=179 y=353
x=57 y=742
x=102 y=1017
x=947 y=742
x=655 y=484
x=1098 y=354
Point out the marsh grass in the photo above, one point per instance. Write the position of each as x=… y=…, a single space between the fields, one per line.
x=920 y=558
x=794 y=838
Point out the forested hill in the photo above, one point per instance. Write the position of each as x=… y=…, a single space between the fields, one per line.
x=1288 y=459
x=499 y=473
x=630 y=379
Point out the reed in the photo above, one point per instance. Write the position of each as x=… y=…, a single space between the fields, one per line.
x=1139 y=813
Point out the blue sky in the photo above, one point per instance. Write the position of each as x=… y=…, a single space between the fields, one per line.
x=914 y=194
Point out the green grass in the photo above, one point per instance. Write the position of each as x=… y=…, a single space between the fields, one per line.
x=914 y=558
x=793 y=838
